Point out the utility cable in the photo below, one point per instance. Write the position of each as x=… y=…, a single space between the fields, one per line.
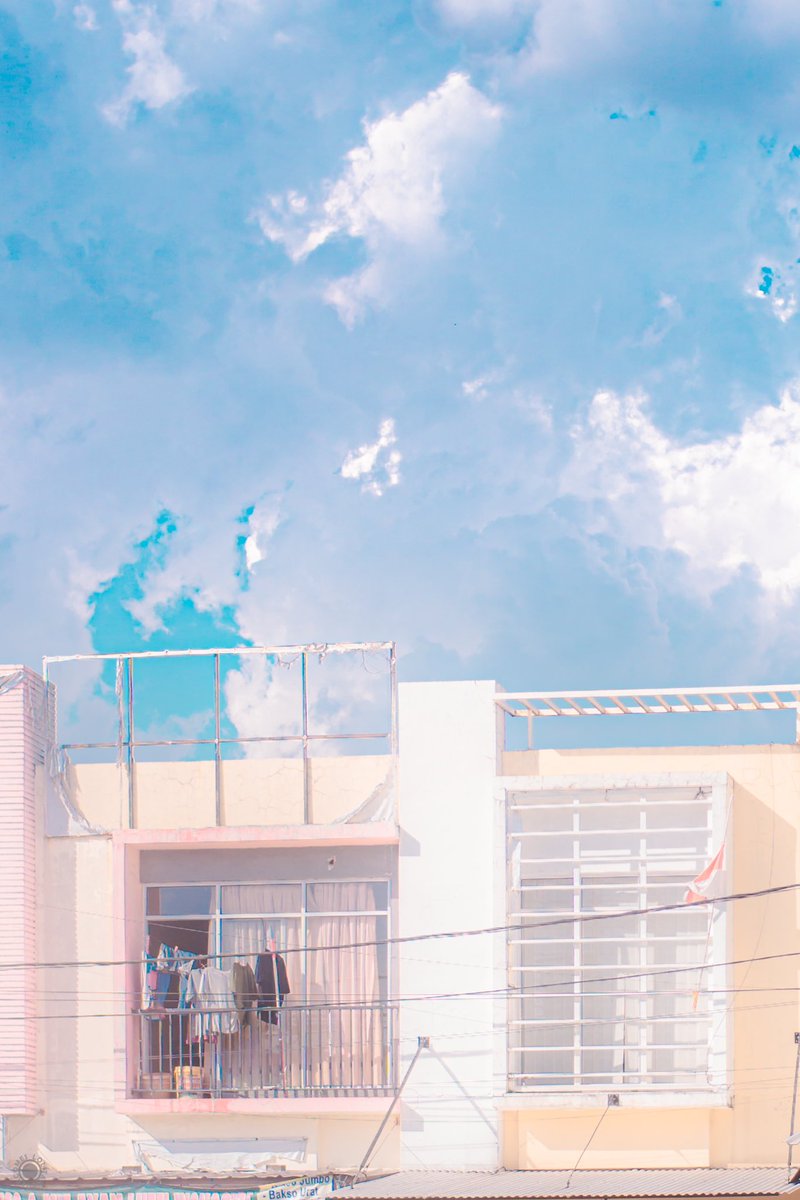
x=518 y=926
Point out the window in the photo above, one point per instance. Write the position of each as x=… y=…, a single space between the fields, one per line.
x=332 y=934
x=598 y=1003
x=332 y=1031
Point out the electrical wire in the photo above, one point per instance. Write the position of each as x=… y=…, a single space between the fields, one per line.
x=587 y=1145
x=357 y=1004
x=526 y=925
x=568 y=981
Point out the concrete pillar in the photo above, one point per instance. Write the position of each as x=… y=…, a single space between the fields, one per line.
x=452 y=871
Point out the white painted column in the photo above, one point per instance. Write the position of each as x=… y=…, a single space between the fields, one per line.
x=451 y=862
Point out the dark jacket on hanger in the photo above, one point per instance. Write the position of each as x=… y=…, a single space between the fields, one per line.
x=245 y=992
x=266 y=970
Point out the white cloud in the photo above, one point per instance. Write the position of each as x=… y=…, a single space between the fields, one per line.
x=492 y=385
x=82 y=579
x=726 y=504
x=263 y=698
x=480 y=387
x=391 y=192
x=483 y=12
x=669 y=315
x=352 y=295
x=774 y=20
x=564 y=33
x=196 y=11
x=635 y=41
x=376 y=464
x=252 y=551
x=85 y=17
x=347 y=693
x=575 y=35
x=154 y=80
x=261 y=526
x=533 y=407
x=201 y=564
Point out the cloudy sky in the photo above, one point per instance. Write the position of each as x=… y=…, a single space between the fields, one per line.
x=473 y=324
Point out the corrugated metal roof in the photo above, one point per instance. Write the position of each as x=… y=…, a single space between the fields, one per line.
x=572 y=1185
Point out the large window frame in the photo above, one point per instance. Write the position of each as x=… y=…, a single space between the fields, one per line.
x=216 y=916
x=648 y=1032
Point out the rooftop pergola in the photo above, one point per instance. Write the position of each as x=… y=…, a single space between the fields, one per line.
x=641 y=702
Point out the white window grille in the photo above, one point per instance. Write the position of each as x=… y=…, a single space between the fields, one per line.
x=599 y=1004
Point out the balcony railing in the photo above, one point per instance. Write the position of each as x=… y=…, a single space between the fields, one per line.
x=299 y=1050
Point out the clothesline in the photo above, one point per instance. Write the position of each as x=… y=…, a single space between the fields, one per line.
x=223 y=1001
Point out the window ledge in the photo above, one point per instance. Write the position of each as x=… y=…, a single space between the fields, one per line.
x=630 y=1098
x=292 y=1106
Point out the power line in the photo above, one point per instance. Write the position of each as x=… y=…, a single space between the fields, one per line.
x=357 y=1003
x=518 y=926
x=587 y=1145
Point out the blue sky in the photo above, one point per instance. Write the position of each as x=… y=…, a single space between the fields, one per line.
x=467 y=323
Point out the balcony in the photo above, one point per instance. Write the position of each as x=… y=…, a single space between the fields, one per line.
x=299 y=1051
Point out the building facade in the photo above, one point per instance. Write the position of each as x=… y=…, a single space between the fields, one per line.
x=224 y=947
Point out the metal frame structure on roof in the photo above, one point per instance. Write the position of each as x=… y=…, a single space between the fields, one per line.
x=127 y=743
x=630 y=702
x=322 y=648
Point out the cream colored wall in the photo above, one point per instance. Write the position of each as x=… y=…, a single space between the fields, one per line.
x=626 y=1138
x=79 y=1129
x=255 y=791
x=766 y=1011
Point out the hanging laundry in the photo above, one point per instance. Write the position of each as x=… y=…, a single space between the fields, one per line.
x=167 y=976
x=273 y=985
x=209 y=990
x=245 y=992
x=149 y=980
x=185 y=962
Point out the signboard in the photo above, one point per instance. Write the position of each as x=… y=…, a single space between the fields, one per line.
x=305 y=1187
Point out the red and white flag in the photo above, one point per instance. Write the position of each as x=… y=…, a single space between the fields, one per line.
x=706 y=885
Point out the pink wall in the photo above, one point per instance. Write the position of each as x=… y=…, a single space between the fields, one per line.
x=23 y=725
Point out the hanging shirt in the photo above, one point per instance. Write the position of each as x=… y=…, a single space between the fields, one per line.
x=210 y=989
x=184 y=961
x=245 y=992
x=273 y=985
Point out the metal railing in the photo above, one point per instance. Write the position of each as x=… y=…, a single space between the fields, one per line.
x=298 y=1050
x=305 y=738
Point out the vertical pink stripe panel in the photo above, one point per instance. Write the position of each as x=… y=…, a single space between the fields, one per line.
x=23 y=725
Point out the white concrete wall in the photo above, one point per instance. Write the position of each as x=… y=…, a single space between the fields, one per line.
x=452 y=877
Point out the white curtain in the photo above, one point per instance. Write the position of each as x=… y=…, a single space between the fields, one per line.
x=330 y=1033
x=343 y=986
x=247 y=937
x=266 y=1056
